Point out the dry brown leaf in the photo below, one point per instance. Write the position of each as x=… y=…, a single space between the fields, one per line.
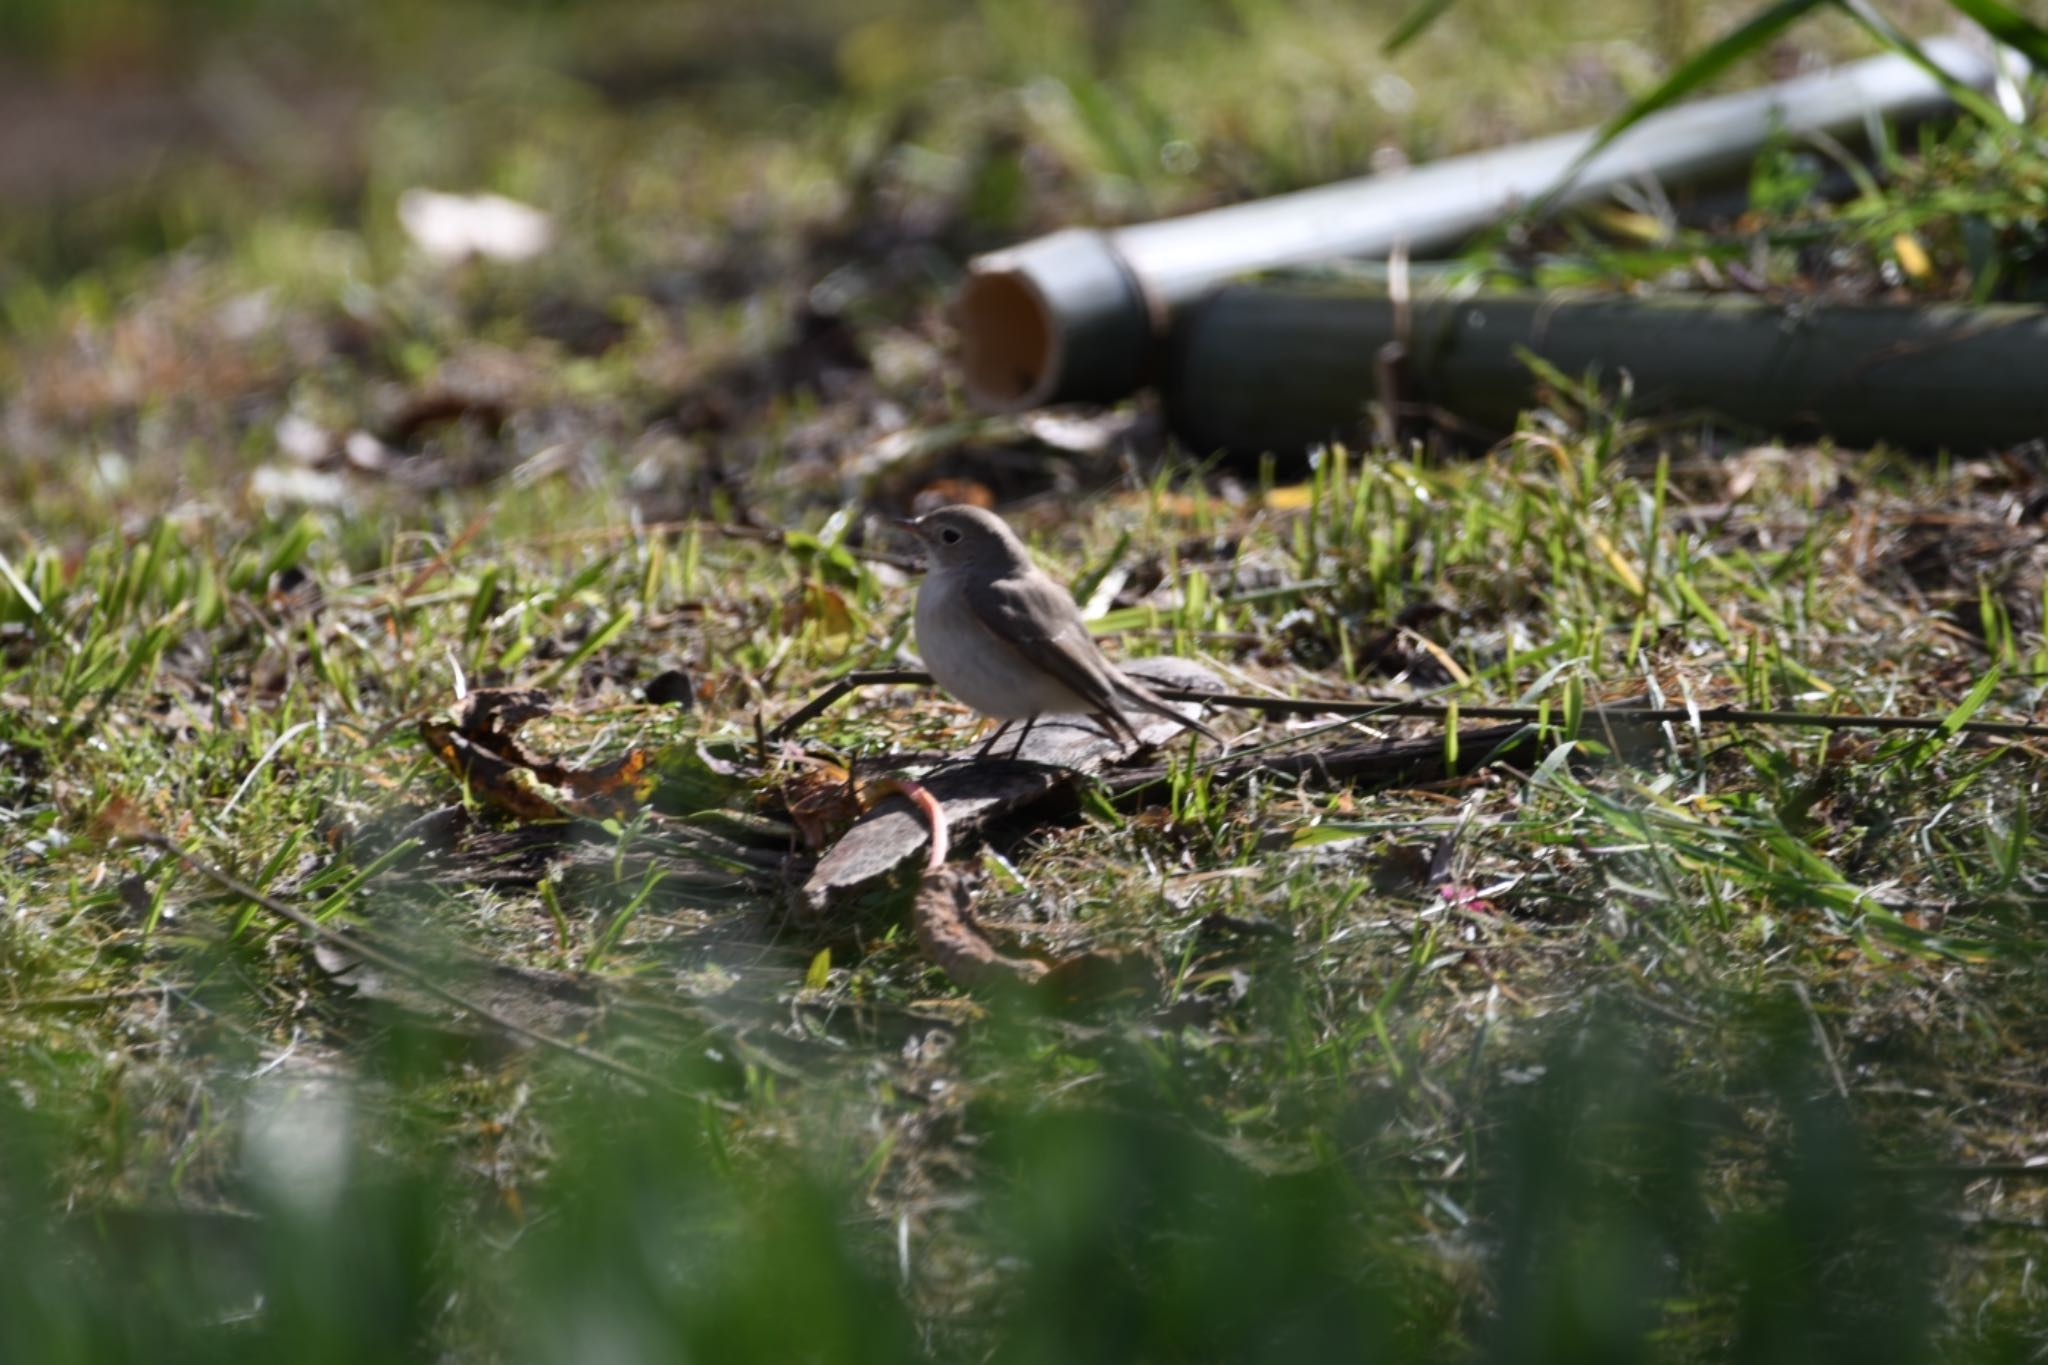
x=477 y=744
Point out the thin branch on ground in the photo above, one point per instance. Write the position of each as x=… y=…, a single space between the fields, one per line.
x=1636 y=715
x=816 y=706
x=1318 y=706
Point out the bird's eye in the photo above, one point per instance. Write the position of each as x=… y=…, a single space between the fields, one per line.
x=950 y=536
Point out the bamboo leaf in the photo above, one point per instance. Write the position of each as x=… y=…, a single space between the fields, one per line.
x=1551 y=771
x=358 y=878
x=616 y=930
x=1315 y=836
x=1953 y=722
x=1695 y=72
x=1418 y=21
x=1085 y=588
x=2009 y=27
x=599 y=639
x=1535 y=690
x=290 y=548
x=1895 y=38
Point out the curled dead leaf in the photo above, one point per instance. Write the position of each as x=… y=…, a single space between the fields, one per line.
x=822 y=799
x=824 y=610
x=122 y=820
x=477 y=743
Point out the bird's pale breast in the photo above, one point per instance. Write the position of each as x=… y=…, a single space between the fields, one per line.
x=968 y=661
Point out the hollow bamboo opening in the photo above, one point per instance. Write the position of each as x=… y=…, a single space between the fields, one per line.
x=1010 y=348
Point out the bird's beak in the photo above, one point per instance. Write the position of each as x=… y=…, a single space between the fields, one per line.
x=914 y=528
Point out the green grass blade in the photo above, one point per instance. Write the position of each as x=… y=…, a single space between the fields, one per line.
x=1899 y=41
x=2009 y=27
x=1414 y=25
x=1953 y=722
x=1748 y=40
x=599 y=639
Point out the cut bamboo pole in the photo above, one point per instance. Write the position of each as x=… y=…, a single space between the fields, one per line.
x=1279 y=368
x=1081 y=313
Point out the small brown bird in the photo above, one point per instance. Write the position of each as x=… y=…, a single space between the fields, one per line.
x=1007 y=640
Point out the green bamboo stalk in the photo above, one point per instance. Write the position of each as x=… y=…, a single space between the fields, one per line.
x=1280 y=368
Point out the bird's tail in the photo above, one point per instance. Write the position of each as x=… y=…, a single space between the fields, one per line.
x=1145 y=699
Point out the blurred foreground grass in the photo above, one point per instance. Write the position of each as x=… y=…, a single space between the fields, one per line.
x=1726 y=1047
x=1596 y=1225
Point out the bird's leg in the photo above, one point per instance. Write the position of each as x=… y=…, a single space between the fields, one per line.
x=990 y=742
x=1117 y=727
x=1022 y=735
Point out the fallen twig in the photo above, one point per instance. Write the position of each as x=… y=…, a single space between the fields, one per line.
x=1635 y=714
x=815 y=707
x=1322 y=706
x=95 y=999
x=1386 y=762
x=950 y=937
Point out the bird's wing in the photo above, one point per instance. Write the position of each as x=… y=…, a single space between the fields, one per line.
x=1038 y=620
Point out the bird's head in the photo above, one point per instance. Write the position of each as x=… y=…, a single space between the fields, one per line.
x=962 y=536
